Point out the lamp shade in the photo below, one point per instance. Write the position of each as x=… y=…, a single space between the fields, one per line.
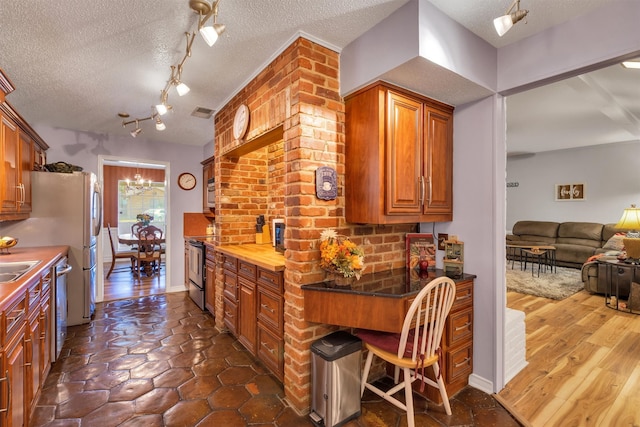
x=182 y=89
x=630 y=219
x=209 y=35
x=503 y=24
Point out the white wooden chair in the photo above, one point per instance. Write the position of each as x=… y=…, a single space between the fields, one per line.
x=417 y=347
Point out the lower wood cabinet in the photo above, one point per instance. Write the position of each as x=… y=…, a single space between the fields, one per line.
x=253 y=310
x=25 y=357
x=14 y=408
x=210 y=281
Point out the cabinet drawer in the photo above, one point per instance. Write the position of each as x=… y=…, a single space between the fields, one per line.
x=459 y=363
x=459 y=327
x=230 y=263
x=271 y=351
x=247 y=270
x=464 y=296
x=34 y=293
x=230 y=315
x=270 y=279
x=230 y=285
x=14 y=318
x=46 y=282
x=270 y=310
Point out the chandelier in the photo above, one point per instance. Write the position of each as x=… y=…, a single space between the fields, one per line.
x=137 y=186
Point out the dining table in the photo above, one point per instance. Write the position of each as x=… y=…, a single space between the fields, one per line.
x=131 y=240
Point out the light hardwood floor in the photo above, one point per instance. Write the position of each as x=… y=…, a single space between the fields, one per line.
x=584 y=363
x=121 y=284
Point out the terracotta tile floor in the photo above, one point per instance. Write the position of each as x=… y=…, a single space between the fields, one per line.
x=159 y=361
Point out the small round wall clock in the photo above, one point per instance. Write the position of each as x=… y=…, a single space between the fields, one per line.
x=186 y=181
x=240 y=122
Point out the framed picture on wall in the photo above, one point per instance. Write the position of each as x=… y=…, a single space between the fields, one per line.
x=570 y=192
x=420 y=245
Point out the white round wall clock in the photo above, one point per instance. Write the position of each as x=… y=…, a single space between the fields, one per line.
x=241 y=121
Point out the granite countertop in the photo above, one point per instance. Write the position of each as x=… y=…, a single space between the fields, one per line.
x=47 y=255
x=396 y=283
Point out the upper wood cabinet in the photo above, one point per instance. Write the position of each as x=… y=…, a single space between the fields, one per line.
x=21 y=151
x=399 y=157
x=208 y=172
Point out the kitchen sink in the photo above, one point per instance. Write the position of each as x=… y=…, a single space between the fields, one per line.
x=12 y=271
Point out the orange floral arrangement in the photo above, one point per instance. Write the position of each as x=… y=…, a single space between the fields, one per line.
x=339 y=255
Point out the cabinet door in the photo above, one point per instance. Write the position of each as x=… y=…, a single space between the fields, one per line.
x=14 y=393
x=210 y=287
x=438 y=163
x=404 y=181
x=33 y=353
x=9 y=165
x=45 y=337
x=26 y=166
x=247 y=314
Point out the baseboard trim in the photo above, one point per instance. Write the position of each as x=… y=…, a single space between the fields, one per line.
x=481 y=383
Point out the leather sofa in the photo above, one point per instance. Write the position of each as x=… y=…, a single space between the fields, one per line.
x=575 y=242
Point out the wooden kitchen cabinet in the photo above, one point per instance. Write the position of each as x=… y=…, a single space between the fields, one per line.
x=22 y=150
x=210 y=281
x=253 y=310
x=208 y=173
x=230 y=293
x=398 y=157
x=13 y=384
x=11 y=193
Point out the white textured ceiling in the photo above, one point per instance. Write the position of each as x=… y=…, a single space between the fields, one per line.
x=77 y=63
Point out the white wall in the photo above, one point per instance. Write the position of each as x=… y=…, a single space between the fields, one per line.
x=611 y=173
x=83 y=148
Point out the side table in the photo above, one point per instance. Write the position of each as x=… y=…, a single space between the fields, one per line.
x=622 y=290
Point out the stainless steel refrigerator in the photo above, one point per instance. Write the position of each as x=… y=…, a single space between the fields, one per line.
x=67 y=210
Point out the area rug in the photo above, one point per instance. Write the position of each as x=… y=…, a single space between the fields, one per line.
x=560 y=285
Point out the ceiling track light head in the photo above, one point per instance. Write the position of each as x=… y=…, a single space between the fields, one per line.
x=504 y=23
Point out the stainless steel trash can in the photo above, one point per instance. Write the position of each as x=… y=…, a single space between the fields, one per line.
x=336 y=365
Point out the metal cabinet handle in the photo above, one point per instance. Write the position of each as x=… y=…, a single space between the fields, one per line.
x=465 y=326
x=266 y=307
x=22 y=194
x=15 y=316
x=270 y=350
x=464 y=362
x=460 y=298
x=421 y=190
x=6 y=378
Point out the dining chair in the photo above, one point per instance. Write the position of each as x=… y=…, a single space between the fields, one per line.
x=135 y=228
x=417 y=347
x=148 y=257
x=115 y=255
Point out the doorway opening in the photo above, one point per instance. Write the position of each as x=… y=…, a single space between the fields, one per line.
x=134 y=191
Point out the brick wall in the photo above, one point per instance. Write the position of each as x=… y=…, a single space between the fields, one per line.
x=299 y=91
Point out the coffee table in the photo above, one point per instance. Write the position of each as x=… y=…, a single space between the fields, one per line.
x=543 y=255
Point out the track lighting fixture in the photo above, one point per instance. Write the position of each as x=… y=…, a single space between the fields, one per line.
x=160 y=124
x=211 y=32
x=505 y=22
x=136 y=131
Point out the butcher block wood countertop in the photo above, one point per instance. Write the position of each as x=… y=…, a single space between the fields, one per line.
x=47 y=255
x=264 y=256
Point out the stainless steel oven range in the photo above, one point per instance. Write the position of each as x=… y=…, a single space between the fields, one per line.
x=196 y=272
